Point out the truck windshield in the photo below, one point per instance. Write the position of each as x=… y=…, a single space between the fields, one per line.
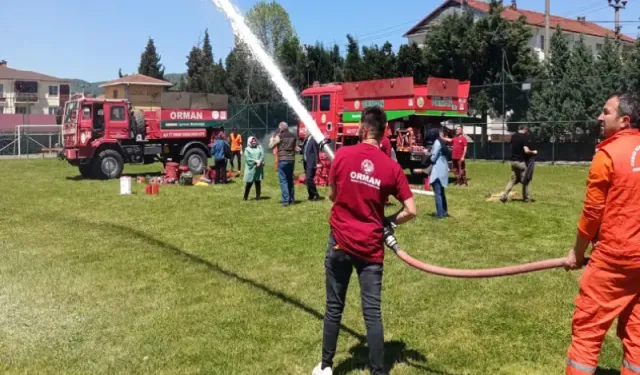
x=70 y=112
x=308 y=102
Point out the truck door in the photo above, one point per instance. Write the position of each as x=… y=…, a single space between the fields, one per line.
x=117 y=120
x=325 y=116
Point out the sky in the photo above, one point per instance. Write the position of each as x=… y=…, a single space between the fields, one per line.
x=91 y=40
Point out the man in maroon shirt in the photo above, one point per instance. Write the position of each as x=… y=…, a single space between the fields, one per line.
x=459 y=152
x=360 y=180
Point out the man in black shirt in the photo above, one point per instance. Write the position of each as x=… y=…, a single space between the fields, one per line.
x=521 y=154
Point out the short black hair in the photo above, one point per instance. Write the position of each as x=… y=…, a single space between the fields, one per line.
x=375 y=119
x=628 y=105
x=523 y=127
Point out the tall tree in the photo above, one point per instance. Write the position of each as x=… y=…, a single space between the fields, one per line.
x=632 y=69
x=411 y=63
x=237 y=84
x=150 y=62
x=196 y=71
x=610 y=70
x=353 y=65
x=207 y=51
x=292 y=59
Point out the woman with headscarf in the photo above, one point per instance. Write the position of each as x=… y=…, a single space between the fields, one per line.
x=439 y=177
x=254 y=167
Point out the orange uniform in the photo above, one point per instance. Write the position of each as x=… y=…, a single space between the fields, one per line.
x=610 y=284
x=236 y=142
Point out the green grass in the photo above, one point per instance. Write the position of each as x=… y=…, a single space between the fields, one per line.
x=196 y=281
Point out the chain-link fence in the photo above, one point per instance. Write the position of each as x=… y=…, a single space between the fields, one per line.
x=31 y=141
x=260 y=120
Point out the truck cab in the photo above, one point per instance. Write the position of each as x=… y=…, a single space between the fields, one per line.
x=324 y=103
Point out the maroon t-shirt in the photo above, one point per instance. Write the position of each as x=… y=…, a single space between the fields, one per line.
x=385 y=146
x=459 y=143
x=364 y=178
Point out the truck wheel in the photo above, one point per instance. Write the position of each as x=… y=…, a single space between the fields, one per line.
x=138 y=122
x=109 y=164
x=86 y=171
x=196 y=160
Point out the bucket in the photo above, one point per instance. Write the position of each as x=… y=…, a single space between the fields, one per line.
x=155 y=188
x=125 y=185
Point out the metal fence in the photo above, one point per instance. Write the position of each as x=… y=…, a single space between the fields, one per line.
x=30 y=141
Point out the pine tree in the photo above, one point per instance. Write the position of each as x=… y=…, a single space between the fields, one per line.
x=353 y=66
x=581 y=101
x=150 y=62
x=610 y=70
x=411 y=63
x=196 y=71
x=293 y=62
x=120 y=73
x=207 y=51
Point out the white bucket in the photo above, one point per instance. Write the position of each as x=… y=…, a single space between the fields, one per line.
x=125 y=185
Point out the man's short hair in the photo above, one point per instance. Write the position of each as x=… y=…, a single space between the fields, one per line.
x=523 y=127
x=283 y=125
x=628 y=105
x=375 y=120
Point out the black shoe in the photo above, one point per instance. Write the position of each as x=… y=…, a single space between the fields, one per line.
x=503 y=199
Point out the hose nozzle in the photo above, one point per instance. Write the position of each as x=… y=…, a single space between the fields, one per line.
x=390 y=237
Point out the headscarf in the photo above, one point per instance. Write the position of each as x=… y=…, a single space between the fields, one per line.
x=433 y=135
x=251 y=138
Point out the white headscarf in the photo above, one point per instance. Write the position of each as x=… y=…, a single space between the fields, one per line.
x=250 y=139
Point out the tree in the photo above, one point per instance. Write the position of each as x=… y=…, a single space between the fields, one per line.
x=237 y=84
x=410 y=63
x=353 y=65
x=632 y=69
x=120 y=73
x=150 y=62
x=292 y=59
x=207 y=51
x=378 y=62
x=196 y=71
x=610 y=70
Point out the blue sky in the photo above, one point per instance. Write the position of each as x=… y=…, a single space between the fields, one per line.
x=92 y=39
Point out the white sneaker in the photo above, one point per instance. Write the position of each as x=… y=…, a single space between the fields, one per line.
x=318 y=370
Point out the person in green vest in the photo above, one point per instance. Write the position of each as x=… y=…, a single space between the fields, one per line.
x=254 y=167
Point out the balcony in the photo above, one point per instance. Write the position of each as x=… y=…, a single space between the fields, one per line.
x=22 y=97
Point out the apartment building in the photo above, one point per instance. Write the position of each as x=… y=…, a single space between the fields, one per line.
x=26 y=92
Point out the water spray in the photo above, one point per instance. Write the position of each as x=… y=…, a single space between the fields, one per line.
x=242 y=31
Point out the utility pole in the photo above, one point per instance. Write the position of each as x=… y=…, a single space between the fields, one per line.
x=547 y=16
x=617 y=5
x=504 y=113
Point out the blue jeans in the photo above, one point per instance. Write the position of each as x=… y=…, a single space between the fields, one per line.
x=441 y=199
x=285 y=175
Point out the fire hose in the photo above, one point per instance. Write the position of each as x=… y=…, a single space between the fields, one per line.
x=392 y=243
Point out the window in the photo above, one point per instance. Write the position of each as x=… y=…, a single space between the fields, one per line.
x=53 y=110
x=86 y=112
x=325 y=103
x=117 y=113
x=115 y=94
x=308 y=103
x=315 y=103
x=1 y=89
x=1 y=109
x=598 y=47
x=22 y=110
x=542 y=42
x=53 y=90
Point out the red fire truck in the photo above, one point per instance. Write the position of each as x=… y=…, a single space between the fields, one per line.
x=411 y=110
x=101 y=135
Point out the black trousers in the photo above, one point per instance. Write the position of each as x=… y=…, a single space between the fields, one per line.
x=247 y=190
x=235 y=154
x=310 y=173
x=338 y=268
x=221 y=171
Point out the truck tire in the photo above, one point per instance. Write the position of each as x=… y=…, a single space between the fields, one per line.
x=196 y=160
x=139 y=126
x=109 y=164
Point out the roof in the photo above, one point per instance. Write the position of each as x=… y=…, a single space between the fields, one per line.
x=15 y=74
x=533 y=19
x=137 y=79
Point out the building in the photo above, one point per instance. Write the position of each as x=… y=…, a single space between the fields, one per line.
x=594 y=36
x=142 y=91
x=25 y=92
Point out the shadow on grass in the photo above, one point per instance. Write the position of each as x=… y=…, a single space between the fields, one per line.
x=396 y=352
x=606 y=371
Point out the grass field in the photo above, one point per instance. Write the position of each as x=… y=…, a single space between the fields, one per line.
x=196 y=281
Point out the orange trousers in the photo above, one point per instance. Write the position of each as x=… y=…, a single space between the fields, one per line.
x=606 y=292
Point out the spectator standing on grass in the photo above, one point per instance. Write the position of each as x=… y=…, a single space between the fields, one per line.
x=360 y=180
x=610 y=284
x=521 y=156
x=439 y=177
x=236 y=147
x=254 y=167
x=219 y=158
x=459 y=153
x=286 y=143
x=310 y=160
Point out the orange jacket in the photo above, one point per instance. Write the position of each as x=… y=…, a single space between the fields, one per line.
x=236 y=142
x=611 y=213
